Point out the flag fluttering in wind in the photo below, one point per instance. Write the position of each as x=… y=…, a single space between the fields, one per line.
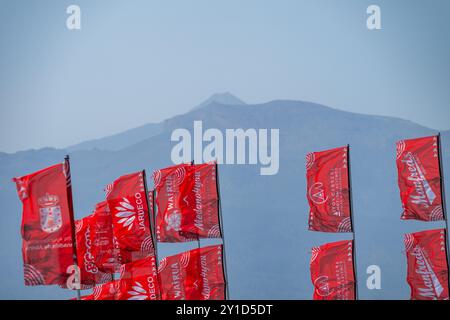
x=193 y=275
x=427 y=265
x=187 y=203
x=102 y=239
x=90 y=274
x=47 y=224
x=106 y=291
x=128 y=205
x=332 y=271
x=328 y=190
x=419 y=179
x=139 y=280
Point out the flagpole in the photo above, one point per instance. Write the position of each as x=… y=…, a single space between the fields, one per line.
x=151 y=216
x=152 y=222
x=224 y=264
x=444 y=206
x=352 y=220
x=72 y=220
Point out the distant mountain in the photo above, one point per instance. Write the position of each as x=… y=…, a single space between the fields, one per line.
x=129 y=137
x=225 y=98
x=121 y=140
x=265 y=217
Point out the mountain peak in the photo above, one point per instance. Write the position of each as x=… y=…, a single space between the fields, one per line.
x=223 y=98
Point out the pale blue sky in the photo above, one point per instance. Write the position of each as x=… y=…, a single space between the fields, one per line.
x=136 y=62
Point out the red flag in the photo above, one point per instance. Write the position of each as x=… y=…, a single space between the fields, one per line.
x=427 y=265
x=90 y=274
x=332 y=271
x=193 y=275
x=328 y=190
x=419 y=179
x=107 y=291
x=187 y=202
x=127 y=202
x=47 y=224
x=102 y=239
x=139 y=280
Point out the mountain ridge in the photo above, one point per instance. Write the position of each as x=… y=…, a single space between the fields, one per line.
x=265 y=217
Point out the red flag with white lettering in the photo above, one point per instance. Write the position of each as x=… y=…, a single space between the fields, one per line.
x=332 y=271
x=90 y=274
x=102 y=239
x=47 y=225
x=419 y=179
x=187 y=203
x=139 y=280
x=427 y=265
x=127 y=202
x=328 y=190
x=193 y=275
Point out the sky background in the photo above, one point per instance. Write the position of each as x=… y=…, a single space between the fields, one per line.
x=135 y=62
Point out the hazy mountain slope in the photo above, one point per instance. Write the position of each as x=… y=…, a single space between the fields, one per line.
x=120 y=140
x=225 y=98
x=129 y=137
x=265 y=217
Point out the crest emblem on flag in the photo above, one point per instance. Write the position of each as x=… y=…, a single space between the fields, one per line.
x=50 y=213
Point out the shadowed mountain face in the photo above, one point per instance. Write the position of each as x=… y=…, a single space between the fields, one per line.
x=265 y=217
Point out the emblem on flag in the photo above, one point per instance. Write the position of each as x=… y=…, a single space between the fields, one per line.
x=50 y=213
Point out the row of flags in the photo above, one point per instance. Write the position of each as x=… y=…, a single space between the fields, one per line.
x=333 y=265
x=119 y=236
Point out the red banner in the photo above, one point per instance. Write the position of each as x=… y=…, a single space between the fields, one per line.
x=90 y=274
x=127 y=203
x=193 y=275
x=139 y=280
x=328 y=190
x=332 y=271
x=103 y=240
x=427 y=265
x=187 y=203
x=419 y=179
x=107 y=291
x=47 y=224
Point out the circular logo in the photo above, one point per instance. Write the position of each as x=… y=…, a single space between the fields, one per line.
x=322 y=287
x=317 y=193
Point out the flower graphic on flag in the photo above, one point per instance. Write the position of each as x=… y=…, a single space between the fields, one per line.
x=138 y=292
x=173 y=221
x=126 y=213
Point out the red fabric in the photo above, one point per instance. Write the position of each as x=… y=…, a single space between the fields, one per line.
x=419 y=179
x=107 y=291
x=332 y=271
x=193 y=275
x=139 y=280
x=127 y=203
x=90 y=274
x=328 y=190
x=47 y=246
x=427 y=265
x=102 y=239
x=187 y=203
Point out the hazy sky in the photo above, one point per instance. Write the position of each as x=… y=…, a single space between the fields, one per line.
x=135 y=62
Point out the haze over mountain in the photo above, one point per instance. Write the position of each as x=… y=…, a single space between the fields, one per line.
x=132 y=136
x=265 y=217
